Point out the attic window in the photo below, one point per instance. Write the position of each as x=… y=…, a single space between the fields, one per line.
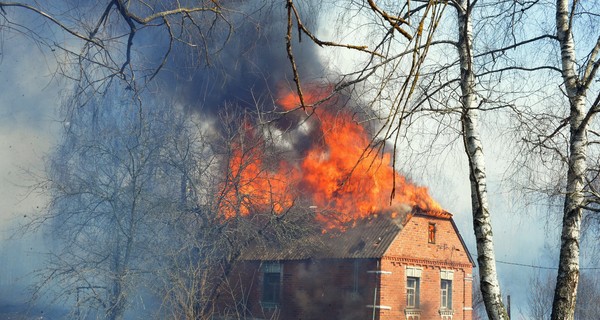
x=431 y=233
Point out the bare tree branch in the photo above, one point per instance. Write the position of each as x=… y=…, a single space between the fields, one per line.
x=52 y=19
x=394 y=21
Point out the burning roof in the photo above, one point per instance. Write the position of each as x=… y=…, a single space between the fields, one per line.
x=339 y=172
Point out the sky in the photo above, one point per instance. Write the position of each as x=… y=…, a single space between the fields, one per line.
x=29 y=100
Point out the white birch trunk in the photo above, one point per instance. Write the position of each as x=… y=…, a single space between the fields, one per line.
x=482 y=225
x=565 y=294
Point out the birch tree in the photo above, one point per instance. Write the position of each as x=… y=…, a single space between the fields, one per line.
x=482 y=225
x=577 y=81
x=578 y=74
x=394 y=58
x=542 y=289
x=577 y=77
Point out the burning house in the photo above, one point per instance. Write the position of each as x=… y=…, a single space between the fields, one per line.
x=372 y=258
x=411 y=267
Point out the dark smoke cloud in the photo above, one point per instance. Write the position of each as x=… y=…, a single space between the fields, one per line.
x=252 y=64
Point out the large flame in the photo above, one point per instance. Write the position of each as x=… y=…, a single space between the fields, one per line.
x=250 y=186
x=344 y=178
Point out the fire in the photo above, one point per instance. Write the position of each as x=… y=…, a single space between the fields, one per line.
x=345 y=179
x=250 y=186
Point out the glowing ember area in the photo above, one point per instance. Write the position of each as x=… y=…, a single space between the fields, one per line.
x=343 y=177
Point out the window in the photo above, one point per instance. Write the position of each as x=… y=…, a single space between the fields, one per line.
x=446 y=277
x=412 y=292
x=431 y=233
x=271 y=288
x=446 y=294
x=271 y=284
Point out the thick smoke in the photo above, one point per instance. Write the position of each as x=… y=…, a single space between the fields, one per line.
x=245 y=67
x=247 y=61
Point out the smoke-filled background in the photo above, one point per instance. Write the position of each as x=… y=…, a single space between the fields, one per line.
x=241 y=69
x=250 y=68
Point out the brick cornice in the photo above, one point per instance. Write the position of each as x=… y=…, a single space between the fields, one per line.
x=435 y=263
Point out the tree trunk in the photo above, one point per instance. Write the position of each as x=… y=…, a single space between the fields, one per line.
x=565 y=294
x=482 y=225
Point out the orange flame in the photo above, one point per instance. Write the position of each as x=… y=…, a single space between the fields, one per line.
x=345 y=179
x=250 y=187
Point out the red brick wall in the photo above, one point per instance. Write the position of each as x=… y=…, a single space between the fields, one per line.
x=393 y=291
x=412 y=249
x=413 y=243
x=235 y=294
x=326 y=289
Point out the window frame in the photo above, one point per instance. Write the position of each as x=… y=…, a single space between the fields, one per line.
x=413 y=273
x=446 y=287
x=446 y=294
x=271 y=285
x=413 y=292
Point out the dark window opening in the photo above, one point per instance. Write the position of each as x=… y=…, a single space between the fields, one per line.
x=431 y=233
x=271 y=284
x=271 y=289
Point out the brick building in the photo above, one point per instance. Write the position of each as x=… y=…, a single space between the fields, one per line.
x=416 y=267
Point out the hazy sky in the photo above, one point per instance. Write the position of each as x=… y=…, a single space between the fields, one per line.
x=29 y=98
x=28 y=126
